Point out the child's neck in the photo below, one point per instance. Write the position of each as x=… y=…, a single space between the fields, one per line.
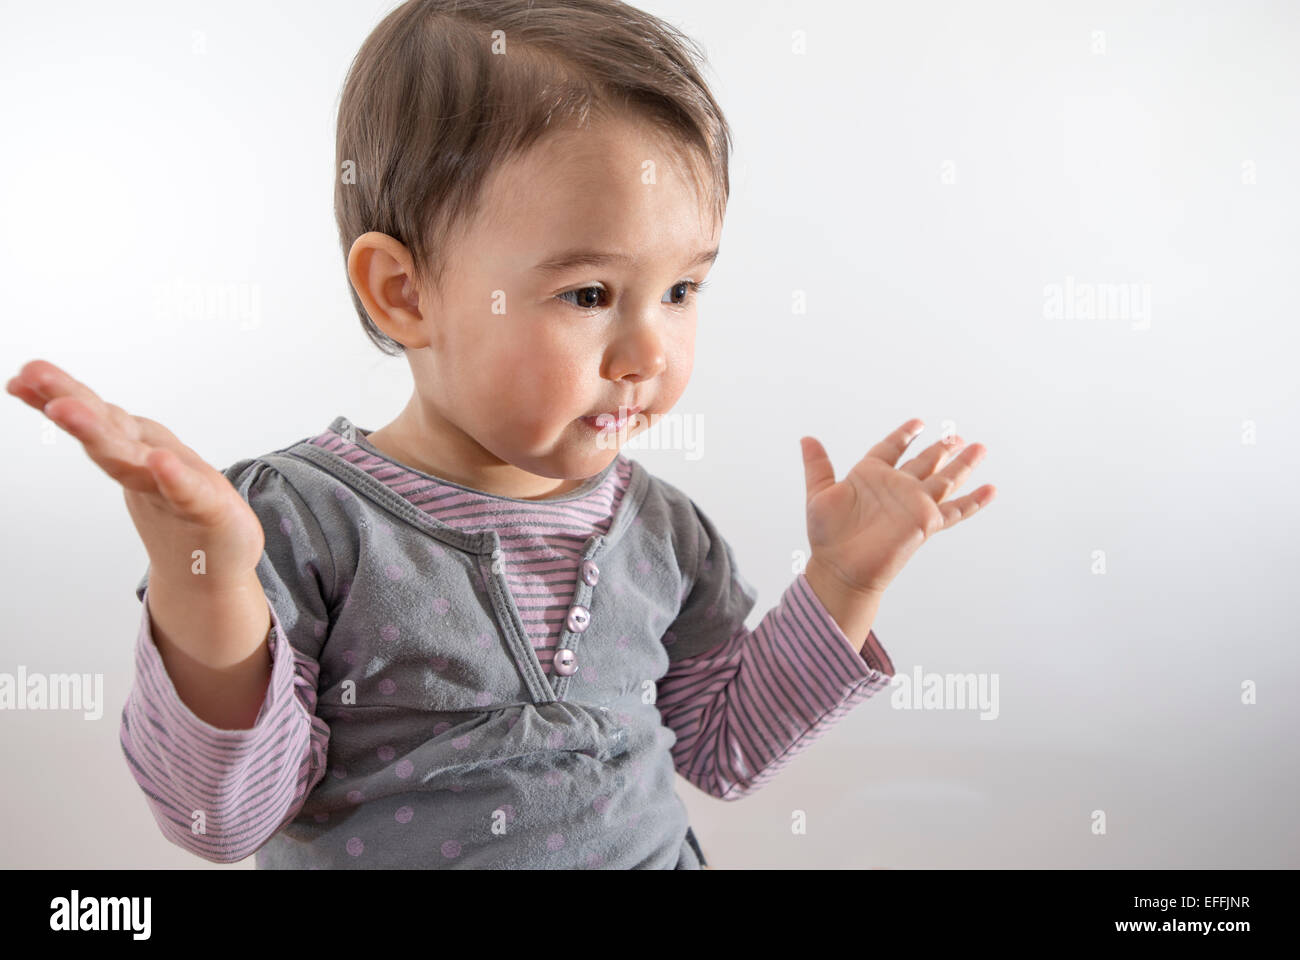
x=519 y=485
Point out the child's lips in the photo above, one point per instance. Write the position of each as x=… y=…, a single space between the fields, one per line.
x=612 y=421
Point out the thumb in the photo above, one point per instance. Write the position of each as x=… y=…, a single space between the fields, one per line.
x=817 y=470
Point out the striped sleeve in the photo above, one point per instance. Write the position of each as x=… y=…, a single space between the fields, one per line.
x=221 y=794
x=741 y=710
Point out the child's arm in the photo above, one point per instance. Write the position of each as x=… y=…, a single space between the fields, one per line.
x=744 y=703
x=244 y=783
x=223 y=758
x=201 y=537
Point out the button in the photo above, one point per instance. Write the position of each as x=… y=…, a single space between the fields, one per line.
x=579 y=617
x=566 y=662
x=590 y=572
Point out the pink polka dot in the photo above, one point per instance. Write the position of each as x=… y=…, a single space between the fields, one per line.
x=285 y=526
x=456 y=787
x=451 y=849
x=341 y=493
x=485 y=640
x=643 y=566
x=350 y=656
x=553 y=778
x=482 y=698
x=386 y=753
x=435 y=550
x=708 y=564
x=387 y=685
x=404 y=768
x=394 y=572
x=594 y=859
x=441 y=605
x=555 y=739
x=438 y=663
x=339 y=772
x=555 y=841
x=622 y=642
x=318 y=629
x=389 y=632
x=510 y=724
x=355 y=846
x=600 y=804
x=460 y=743
x=354 y=796
x=441 y=727
x=321 y=817
x=588 y=674
x=508 y=811
x=404 y=814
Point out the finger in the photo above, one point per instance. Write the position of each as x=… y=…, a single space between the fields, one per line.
x=186 y=489
x=154 y=434
x=955 y=511
x=25 y=393
x=818 y=473
x=892 y=447
x=121 y=457
x=40 y=382
x=954 y=475
x=50 y=382
x=926 y=462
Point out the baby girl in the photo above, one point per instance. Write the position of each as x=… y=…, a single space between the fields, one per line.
x=482 y=636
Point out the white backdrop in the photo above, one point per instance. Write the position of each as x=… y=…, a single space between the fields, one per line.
x=1068 y=234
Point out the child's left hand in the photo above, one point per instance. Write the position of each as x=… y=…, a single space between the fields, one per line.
x=864 y=528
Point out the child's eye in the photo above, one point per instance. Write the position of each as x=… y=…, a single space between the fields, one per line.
x=582 y=302
x=692 y=288
x=588 y=298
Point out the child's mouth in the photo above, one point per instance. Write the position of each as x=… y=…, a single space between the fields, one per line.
x=611 y=421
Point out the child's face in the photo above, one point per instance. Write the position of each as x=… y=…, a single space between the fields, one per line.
x=512 y=356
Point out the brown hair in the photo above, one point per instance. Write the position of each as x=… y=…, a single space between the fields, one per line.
x=428 y=109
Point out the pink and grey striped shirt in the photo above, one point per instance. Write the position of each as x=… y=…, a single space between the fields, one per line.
x=741 y=711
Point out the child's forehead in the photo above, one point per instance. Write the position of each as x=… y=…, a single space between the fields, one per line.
x=570 y=180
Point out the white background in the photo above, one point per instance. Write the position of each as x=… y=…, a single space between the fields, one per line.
x=922 y=172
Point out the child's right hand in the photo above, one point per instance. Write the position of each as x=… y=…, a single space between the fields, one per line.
x=179 y=503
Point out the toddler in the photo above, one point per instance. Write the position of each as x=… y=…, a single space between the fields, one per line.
x=482 y=636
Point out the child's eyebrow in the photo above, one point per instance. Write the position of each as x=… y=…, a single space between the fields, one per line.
x=597 y=258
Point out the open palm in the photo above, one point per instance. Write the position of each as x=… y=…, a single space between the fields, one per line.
x=866 y=527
